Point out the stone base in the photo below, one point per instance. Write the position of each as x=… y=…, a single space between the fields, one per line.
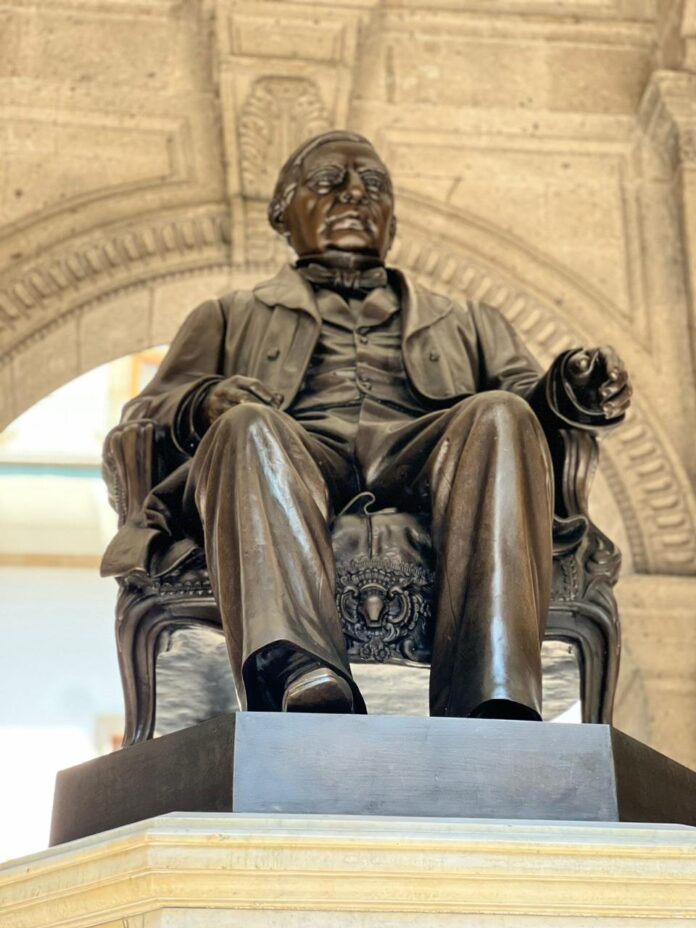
x=218 y=871
x=377 y=765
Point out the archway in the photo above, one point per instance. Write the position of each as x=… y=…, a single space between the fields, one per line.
x=129 y=286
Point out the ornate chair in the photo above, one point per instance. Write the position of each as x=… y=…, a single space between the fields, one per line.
x=384 y=581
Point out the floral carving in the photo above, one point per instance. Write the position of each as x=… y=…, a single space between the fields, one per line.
x=279 y=114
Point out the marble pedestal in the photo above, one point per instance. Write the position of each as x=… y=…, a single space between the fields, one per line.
x=229 y=870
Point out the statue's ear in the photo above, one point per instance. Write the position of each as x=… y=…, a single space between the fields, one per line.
x=392 y=230
x=276 y=217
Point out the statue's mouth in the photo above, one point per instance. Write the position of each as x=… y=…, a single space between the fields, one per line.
x=350 y=220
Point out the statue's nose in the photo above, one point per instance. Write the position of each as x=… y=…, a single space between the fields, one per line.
x=354 y=190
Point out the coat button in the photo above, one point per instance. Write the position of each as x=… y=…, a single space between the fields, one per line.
x=273 y=354
x=434 y=356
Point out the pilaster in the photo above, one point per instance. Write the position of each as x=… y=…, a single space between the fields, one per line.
x=668 y=118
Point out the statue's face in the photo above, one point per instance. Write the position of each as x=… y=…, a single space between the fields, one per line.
x=343 y=200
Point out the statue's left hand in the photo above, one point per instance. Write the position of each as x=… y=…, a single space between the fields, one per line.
x=599 y=381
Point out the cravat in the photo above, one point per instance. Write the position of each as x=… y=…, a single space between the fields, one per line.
x=344 y=271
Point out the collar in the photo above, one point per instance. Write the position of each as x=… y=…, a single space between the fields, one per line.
x=290 y=289
x=351 y=283
x=420 y=307
x=374 y=309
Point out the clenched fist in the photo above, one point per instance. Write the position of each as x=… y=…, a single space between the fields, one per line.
x=232 y=392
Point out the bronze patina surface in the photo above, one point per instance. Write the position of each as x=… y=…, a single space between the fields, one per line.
x=447 y=768
x=340 y=377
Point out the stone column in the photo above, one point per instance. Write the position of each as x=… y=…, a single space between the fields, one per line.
x=668 y=118
x=656 y=698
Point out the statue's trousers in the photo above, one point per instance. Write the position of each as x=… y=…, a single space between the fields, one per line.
x=265 y=487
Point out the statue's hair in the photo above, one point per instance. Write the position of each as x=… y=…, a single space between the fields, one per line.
x=289 y=175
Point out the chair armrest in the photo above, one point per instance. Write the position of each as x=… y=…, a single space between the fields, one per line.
x=575 y=461
x=130 y=465
x=575 y=454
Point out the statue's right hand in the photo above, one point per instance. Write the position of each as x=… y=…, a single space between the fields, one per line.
x=232 y=392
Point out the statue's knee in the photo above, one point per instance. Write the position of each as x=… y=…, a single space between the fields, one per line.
x=244 y=419
x=500 y=407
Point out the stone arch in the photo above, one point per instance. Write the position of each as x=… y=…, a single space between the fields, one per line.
x=554 y=309
x=137 y=280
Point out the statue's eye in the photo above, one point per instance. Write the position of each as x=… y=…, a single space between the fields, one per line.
x=324 y=181
x=374 y=181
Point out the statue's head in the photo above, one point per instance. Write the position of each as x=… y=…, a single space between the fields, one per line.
x=334 y=192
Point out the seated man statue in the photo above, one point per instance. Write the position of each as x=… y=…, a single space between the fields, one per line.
x=338 y=377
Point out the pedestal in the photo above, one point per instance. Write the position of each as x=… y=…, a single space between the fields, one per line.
x=377 y=765
x=261 y=871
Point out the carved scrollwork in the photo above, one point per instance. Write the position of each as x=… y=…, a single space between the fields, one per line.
x=601 y=572
x=385 y=608
x=279 y=114
x=566 y=582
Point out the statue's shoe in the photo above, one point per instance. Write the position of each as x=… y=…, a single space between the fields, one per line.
x=505 y=709
x=318 y=690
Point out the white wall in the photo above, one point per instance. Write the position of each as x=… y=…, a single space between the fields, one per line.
x=58 y=679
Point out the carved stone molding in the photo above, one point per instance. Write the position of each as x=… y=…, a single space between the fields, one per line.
x=667 y=116
x=476 y=141
x=639 y=464
x=642 y=471
x=616 y=22
x=40 y=293
x=688 y=35
x=283 y=75
x=278 y=115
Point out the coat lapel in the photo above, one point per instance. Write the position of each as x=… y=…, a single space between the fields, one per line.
x=425 y=359
x=290 y=338
x=288 y=288
x=420 y=308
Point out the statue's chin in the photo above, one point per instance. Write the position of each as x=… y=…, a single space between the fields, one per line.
x=372 y=252
x=352 y=240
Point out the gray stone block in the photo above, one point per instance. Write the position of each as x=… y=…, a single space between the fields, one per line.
x=377 y=765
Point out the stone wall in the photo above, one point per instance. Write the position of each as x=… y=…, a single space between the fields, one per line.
x=544 y=155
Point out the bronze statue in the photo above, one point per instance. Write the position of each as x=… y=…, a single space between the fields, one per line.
x=338 y=378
